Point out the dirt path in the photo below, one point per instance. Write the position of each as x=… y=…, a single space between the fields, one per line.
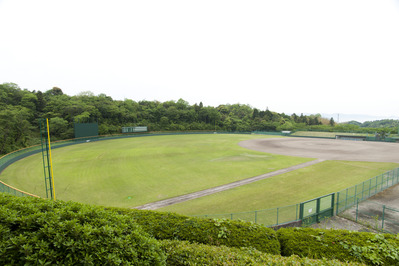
x=206 y=192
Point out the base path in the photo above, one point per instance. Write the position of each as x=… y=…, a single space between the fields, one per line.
x=206 y=192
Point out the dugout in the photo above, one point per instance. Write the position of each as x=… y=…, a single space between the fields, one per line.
x=351 y=137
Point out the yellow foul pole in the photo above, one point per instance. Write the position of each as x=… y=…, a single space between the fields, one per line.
x=51 y=162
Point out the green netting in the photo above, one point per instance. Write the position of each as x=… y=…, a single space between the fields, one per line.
x=10 y=190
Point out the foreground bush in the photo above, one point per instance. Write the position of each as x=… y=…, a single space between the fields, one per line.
x=206 y=231
x=37 y=231
x=343 y=245
x=185 y=253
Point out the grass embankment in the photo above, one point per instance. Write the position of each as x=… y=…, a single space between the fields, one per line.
x=135 y=171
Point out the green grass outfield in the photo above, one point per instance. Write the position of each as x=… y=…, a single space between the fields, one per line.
x=134 y=171
x=286 y=189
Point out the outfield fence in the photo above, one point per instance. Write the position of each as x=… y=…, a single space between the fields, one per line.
x=14 y=191
x=10 y=158
x=348 y=134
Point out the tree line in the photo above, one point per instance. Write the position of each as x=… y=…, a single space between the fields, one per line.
x=20 y=110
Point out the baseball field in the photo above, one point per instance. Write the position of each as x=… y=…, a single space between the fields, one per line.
x=135 y=171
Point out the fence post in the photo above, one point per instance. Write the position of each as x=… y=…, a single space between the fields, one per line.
x=318 y=210
x=383 y=217
x=301 y=211
x=384 y=179
x=369 y=187
x=332 y=204
x=363 y=190
x=355 y=194
x=277 y=216
x=337 y=203
x=357 y=208
x=391 y=177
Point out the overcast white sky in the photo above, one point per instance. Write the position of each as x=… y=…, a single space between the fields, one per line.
x=302 y=56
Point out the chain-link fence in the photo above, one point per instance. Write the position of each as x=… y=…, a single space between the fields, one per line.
x=377 y=216
x=343 y=200
x=268 y=217
x=348 y=197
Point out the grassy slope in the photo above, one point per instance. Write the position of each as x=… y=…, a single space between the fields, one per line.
x=131 y=172
x=287 y=189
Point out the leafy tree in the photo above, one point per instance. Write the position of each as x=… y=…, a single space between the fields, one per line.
x=29 y=100
x=14 y=128
x=58 y=127
x=164 y=122
x=41 y=102
x=255 y=113
x=55 y=91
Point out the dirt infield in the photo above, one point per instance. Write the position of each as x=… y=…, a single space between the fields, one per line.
x=327 y=149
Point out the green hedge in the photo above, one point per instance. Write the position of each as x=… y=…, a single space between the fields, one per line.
x=36 y=232
x=206 y=231
x=369 y=248
x=185 y=253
